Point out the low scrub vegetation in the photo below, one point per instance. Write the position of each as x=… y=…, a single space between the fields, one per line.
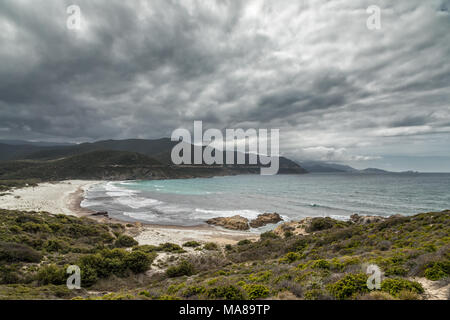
x=328 y=263
x=164 y=247
x=183 y=269
x=124 y=241
x=36 y=248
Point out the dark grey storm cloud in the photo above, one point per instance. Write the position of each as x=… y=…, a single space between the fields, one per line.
x=336 y=90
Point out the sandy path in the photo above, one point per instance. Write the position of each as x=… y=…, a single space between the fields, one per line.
x=434 y=290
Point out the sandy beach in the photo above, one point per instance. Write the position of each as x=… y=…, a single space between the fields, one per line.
x=65 y=197
x=57 y=198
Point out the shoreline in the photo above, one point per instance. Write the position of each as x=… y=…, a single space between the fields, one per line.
x=62 y=197
x=65 y=197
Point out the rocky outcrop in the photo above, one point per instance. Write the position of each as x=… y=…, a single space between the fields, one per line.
x=310 y=225
x=100 y=213
x=356 y=218
x=232 y=223
x=293 y=227
x=265 y=219
x=241 y=223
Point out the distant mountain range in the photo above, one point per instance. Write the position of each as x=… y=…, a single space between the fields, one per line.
x=112 y=160
x=35 y=143
x=321 y=166
x=40 y=151
x=128 y=159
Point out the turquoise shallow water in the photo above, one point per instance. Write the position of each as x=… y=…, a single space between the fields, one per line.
x=192 y=201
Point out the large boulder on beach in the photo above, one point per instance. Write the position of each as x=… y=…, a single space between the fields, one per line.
x=240 y=223
x=100 y=213
x=232 y=223
x=265 y=219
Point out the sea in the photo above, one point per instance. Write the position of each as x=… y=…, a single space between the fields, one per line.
x=190 y=202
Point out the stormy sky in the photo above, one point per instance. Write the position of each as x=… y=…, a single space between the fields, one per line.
x=140 y=69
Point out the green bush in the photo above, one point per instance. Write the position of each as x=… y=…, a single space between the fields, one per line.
x=145 y=293
x=395 y=286
x=256 y=291
x=16 y=252
x=318 y=224
x=147 y=248
x=15 y=229
x=51 y=274
x=288 y=234
x=396 y=271
x=244 y=242
x=8 y=275
x=313 y=294
x=269 y=235
x=437 y=270
x=211 y=246
x=88 y=276
x=290 y=257
x=124 y=241
x=168 y=297
x=174 y=288
x=349 y=286
x=298 y=246
x=260 y=276
x=321 y=264
x=55 y=246
x=429 y=247
x=138 y=261
x=336 y=265
x=192 y=244
x=193 y=291
x=228 y=292
x=93 y=262
x=113 y=262
x=117 y=296
x=182 y=269
x=170 y=247
x=36 y=227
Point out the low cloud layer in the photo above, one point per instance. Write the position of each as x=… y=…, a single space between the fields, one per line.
x=336 y=90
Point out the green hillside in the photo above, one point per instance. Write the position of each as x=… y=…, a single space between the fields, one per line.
x=114 y=160
x=32 y=152
x=327 y=263
x=92 y=165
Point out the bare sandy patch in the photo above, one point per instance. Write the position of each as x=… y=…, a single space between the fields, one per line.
x=434 y=290
x=61 y=197
x=155 y=235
